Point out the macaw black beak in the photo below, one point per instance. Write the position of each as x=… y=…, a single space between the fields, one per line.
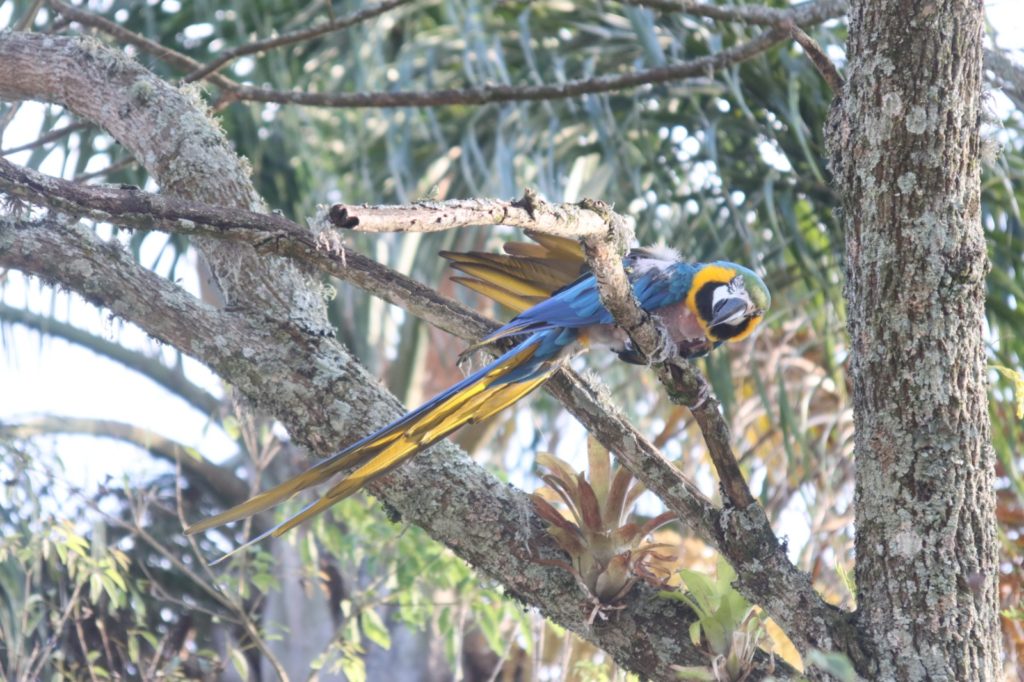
x=729 y=311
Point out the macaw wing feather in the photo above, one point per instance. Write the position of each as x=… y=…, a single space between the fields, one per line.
x=517 y=279
x=495 y=293
x=527 y=272
x=558 y=247
x=547 y=274
x=513 y=301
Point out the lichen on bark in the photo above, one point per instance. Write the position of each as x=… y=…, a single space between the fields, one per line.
x=904 y=144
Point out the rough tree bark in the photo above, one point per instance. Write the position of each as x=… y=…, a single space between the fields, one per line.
x=904 y=140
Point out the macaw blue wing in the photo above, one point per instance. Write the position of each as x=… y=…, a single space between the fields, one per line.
x=579 y=304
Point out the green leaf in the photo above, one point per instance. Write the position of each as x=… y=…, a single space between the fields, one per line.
x=265 y=582
x=374 y=628
x=702 y=589
x=488 y=619
x=239 y=662
x=95 y=587
x=836 y=664
x=695 y=632
x=354 y=668
x=133 y=649
x=697 y=673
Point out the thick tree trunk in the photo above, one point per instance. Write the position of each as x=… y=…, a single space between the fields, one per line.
x=905 y=150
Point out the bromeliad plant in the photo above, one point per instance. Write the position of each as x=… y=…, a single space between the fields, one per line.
x=609 y=552
x=727 y=626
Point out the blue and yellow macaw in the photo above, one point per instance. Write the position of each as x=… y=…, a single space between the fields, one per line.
x=701 y=305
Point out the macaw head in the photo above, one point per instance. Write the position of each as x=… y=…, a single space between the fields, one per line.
x=729 y=300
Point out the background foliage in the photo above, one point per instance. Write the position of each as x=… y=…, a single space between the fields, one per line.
x=98 y=580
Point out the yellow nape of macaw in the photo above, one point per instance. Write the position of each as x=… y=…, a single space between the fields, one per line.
x=560 y=313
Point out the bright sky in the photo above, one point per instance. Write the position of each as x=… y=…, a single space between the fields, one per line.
x=46 y=376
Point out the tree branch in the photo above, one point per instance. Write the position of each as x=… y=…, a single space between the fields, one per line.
x=270 y=346
x=812 y=12
x=293 y=37
x=151 y=368
x=54 y=134
x=174 y=58
x=821 y=62
x=528 y=213
x=200 y=471
x=806 y=13
x=699 y=66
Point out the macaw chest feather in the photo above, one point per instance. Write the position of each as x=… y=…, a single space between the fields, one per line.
x=680 y=322
x=684 y=329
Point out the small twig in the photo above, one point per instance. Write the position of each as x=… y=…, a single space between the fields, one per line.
x=210 y=589
x=818 y=57
x=293 y=37
x=112 y=168
x=37 y=672
x=804 y=13
x=152 y=368
x=80 y=631
x=697 y=67
x=165 y=54
x=54 y=134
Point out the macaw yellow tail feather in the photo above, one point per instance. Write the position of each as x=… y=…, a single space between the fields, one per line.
x=474 y=399
x=403 y=450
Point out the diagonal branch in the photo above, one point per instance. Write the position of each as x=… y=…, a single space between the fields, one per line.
x=699 y=66
x=165 y=54
x=200 y=471
x=152 y=368
x=293 y=37
x=744 y=534
x=812 y=12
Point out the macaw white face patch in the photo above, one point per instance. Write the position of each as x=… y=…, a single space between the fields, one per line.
x=735 y=289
